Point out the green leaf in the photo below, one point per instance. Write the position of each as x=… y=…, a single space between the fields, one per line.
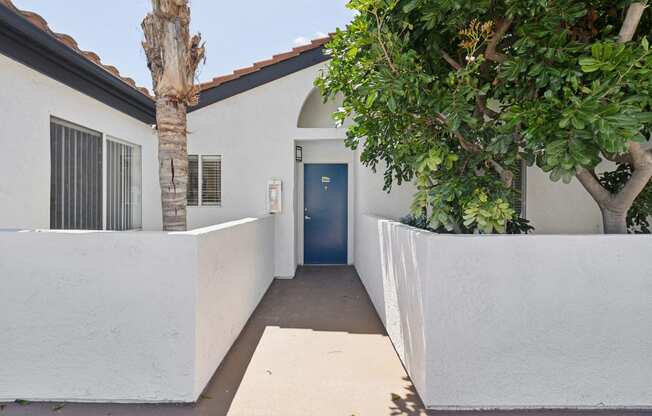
x=590 y=64
x=371 y=99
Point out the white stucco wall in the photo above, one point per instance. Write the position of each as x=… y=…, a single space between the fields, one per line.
x=372 y=199
x=126 y=317
x=559 y=208
x=514 y=321
x=255 y=132
x=316 y=113
x=27 y=101
x=235 y=269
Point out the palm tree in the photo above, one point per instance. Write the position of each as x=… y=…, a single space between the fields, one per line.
x=172 y=58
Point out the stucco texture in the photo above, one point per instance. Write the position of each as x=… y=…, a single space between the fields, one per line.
x=126 y=317
x=28 y=100
x=514 y=321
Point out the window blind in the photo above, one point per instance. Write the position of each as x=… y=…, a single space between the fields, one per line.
x=211 y=180
x=204 y=180
x=519 y=184
x=193 y=180
x=76 y=177
x=123 y=186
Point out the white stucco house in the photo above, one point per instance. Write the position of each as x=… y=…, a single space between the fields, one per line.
x=79 y=153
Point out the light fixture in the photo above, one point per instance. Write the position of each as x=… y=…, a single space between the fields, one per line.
x=298 y=154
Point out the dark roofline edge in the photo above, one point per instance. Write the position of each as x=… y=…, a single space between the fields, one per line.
x=29 y=45
x=260 y=77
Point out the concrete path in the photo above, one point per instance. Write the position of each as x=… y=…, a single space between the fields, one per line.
x=313 y=347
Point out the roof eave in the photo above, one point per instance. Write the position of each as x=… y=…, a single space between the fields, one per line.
x=261 y=76
x=25 y=43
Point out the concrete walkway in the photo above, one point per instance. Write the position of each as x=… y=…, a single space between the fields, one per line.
x=313 y=347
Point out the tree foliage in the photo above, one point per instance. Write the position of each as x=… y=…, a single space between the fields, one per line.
x=456 y=94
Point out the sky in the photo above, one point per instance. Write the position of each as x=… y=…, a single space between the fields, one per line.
x=237 y=33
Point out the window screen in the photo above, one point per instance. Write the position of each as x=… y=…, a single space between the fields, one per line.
x=211 y=180
x=76 y=177
x=519 y=184
x=204 y=180
x=193 y=180
x=123 y=186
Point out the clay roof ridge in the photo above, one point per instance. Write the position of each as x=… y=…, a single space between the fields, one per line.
x=217 y=81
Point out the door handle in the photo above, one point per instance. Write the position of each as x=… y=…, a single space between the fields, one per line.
x=307 y=217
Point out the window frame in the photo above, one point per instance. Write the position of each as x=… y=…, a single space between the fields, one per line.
x=104 y=139
x=200 y=180
x=523 y=189
x=105 y=172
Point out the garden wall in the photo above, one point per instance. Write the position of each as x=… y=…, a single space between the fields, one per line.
x=126 y=317
x=514 y=321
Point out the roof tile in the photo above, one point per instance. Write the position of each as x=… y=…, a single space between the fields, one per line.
x=70 y=42
x=215 y=82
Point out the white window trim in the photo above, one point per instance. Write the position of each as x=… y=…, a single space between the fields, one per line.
x=105 y=175
x=105 y=138
x=200 y=181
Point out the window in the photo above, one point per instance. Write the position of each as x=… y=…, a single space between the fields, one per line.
x=123 y=184
x=193 y=180
x=91 y=189
x=519 y=184
x=76 y=177
x=204 y=180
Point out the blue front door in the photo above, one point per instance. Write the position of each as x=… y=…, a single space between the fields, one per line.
x=325 y=224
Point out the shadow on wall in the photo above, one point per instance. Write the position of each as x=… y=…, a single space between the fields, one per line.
x=331 y=304
x=403 y=314
x=316 y=114
x=309 y=340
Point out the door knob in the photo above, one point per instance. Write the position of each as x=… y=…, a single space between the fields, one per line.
x=307 y=217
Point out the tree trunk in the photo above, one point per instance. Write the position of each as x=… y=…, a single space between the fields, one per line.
x=614 y=207
x=173 y=162
x=172 y=58
x=614 y=222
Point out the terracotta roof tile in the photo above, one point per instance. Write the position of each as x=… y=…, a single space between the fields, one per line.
x=69 y=41
x=215 y=82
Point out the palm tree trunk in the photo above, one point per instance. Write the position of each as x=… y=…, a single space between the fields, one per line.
x=172 y=58
x=173 y=162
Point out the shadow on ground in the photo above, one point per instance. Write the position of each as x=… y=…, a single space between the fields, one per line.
x=322 y=306
x=314 y=346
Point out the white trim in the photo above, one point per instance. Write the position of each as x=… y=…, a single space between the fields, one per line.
x=105 y=171
x=200 y=180
x=308 y=159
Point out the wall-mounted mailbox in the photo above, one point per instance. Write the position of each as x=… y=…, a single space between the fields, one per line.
x=275 y=196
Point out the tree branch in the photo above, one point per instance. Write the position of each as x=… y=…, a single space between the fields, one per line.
x=640 y=159
x=451 y=61
x=379 y=34
x=466 y=145
x=593 y=186
x=481 y=108
x=624 y=158
x=491 y=52
x=641 y=174
x=506 y=175
x=633 y=18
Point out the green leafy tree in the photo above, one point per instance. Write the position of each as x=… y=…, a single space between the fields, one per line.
x=455 y=94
